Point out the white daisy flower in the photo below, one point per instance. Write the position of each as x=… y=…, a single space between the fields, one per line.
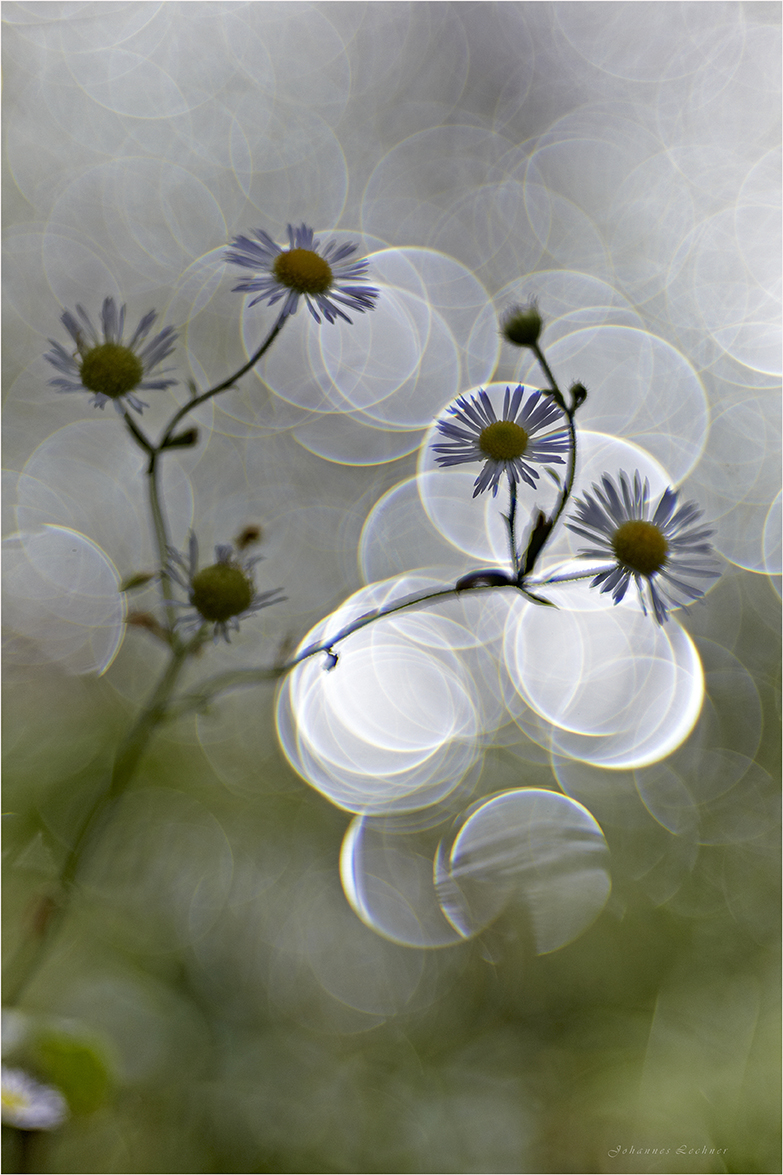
x=222 y=594
x=659 y=549
x=511 y=445
x=29 y=1105
x=302 y=271
x=107 y=367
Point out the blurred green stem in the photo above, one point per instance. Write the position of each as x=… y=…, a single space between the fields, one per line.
x=53 y=908
x=161 y=537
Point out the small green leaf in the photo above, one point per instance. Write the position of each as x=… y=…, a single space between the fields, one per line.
x=183 y=440
x=537 y=599
x=137 y=580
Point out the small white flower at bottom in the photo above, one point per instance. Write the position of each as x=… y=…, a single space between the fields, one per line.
x=29 y=1105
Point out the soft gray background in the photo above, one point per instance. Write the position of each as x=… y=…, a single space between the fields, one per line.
x=620 y=161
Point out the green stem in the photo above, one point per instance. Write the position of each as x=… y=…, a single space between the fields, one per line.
x=161 y=536
x=138 y=436
x=569 y=412
x=555 y=390
x=569 y=482
x=221 y=387
x=31 y=953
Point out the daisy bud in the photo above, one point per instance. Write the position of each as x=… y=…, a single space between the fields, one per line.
x=578 y=394
x=522 y=325
x=249 y=536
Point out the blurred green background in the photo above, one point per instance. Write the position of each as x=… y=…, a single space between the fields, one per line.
x=252 y=1023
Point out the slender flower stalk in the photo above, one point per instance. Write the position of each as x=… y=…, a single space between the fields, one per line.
x=222 y=386
x=168 y=441
x=32 y=951
x=238 y=678
x=511 y=519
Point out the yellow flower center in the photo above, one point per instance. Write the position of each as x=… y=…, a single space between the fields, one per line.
x=111 y=369
x=15 y=1101
x=303 y=270
x=640 y=546
x=503 y=441
x=220 y=592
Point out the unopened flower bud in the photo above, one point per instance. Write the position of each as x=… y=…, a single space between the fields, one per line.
x=578 y=394
x=522 y=325
x=248 y=536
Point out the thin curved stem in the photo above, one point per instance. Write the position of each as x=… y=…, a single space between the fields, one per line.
x=557 y=394
x=141 y=440
x=221 y=387
x=161 y=537
x=568 y=485
x=31 y=953
x=569 y=482
x=236 y=678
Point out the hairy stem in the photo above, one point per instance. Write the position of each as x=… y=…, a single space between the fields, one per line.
x=221 y=387
x=569 y=411
x=237 y=678
x=571 y=473
x=511 y=520
x=161 y=535
x=555 y=390
x=569 y=576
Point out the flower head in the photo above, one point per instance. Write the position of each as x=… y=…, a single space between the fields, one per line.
x=303 y=271
x=28 y=1105
x=222 y=594
x=521 y=325
x=109 y=368
x=659 y=549
x=508 y=445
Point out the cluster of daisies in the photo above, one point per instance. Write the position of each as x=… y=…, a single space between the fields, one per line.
x=658 y=546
